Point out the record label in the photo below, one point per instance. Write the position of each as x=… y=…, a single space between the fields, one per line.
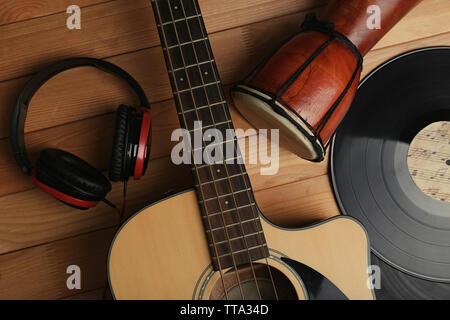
x=429 y=160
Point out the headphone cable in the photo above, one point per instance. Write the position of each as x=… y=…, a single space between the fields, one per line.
x=121 y=214
x=124 y=202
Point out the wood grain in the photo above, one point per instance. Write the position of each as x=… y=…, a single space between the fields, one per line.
x=376 y=57
x=40 y=272
x=429 y=18
x=307 y=202
x=110 y=29
x=96 y=294
x=13 y=11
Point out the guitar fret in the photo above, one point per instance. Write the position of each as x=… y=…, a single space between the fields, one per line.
x=184 y=44
x=210 y=126
x=241 y=251
x=228 y=210
x=225 y=195
x=212 y=145
x=197 y=87
x=237 y=238
x=191 y=65
x=232 y=225
x=179 y=20
x=229 y=160
x=222 y=179
x=202 y=107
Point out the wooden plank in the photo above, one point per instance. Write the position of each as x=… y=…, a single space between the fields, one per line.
x=114 y=28
x=300 y=203
x=13 y=11
x=40 y=272
x=107 y=29
x=67 y=98
x=232 y=13
x=429 y=18
x=96 y=294
x=291 y=168
x=376 y=57
x=32 y=217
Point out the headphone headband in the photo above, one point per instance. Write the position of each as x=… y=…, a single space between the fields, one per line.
x=19 y=113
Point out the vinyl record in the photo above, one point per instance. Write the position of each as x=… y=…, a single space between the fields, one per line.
x=408 y=229
x=397 y=285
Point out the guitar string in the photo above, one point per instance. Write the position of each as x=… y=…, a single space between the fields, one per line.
x=215 y=126
x=225 y=227
x=204 y=146
x=195 y=166
x=255 y=214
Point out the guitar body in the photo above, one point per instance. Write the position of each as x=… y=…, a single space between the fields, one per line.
x=162 y=253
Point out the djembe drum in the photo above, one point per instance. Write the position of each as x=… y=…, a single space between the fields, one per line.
x=307 y=86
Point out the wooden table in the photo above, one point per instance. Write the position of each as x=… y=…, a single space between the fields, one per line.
x=39 y=237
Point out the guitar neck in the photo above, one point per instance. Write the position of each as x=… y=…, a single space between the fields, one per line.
x=229 y=212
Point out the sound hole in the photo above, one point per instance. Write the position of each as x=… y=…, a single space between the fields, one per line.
x=247 y=288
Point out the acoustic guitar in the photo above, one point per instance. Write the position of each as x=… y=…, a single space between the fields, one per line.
x=213 y=242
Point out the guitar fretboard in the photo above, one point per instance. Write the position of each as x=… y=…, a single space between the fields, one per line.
x=229 y=212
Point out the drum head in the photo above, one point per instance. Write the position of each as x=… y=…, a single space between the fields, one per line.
x=408 y=229
x=294 y=134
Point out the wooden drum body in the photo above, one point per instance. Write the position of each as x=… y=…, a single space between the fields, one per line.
x=306 y=88
x=288 y=99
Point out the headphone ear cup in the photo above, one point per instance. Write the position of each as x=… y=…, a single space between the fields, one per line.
x=118 y=157
x=71 y=175
x=144 y=143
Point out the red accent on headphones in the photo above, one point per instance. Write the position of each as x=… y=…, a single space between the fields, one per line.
x=143 y=143
x=62 y=196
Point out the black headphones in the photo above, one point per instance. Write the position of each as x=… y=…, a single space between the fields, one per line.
x=65 y=176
